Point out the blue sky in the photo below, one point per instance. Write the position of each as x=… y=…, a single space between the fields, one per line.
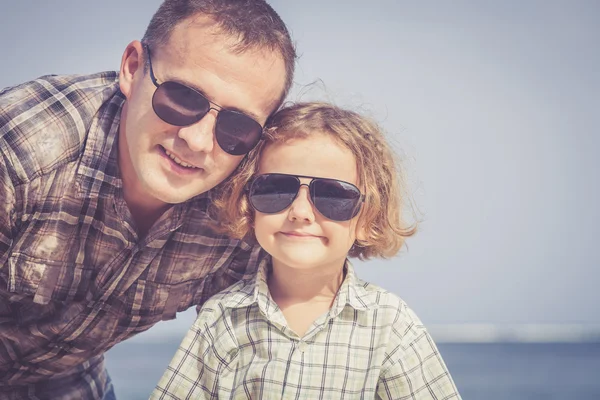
x=493 y=105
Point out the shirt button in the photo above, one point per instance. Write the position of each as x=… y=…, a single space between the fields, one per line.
x=302 y=346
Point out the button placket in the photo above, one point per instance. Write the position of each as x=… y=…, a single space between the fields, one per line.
x=302 y=346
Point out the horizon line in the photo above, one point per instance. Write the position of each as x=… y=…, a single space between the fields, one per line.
x=458 y=333
x=515 y=333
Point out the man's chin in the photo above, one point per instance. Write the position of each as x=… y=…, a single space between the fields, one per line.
x=170 y=199
x=166 y=192
x=177 y=196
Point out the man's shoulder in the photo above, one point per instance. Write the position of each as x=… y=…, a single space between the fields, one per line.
x=52 y=96
x=61 y=82
x=232 y=296
x=44 y=122
x=220 y=305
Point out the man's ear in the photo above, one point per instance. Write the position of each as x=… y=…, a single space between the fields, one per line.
x=132 y=64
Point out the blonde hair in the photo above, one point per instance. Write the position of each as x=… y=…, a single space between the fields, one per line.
x=379 y=175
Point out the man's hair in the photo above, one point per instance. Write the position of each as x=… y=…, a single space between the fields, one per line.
x=379 y=176
x=253 y=23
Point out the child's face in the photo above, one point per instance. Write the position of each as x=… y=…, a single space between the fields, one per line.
x=299 y=236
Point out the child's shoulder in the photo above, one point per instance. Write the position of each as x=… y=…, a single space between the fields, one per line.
x=376 y=295
x=392 y=306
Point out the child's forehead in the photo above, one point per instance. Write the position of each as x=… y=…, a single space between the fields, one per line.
x=315 y=145
x=294 y=140
x=319 y=155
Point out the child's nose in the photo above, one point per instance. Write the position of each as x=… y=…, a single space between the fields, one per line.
x=302 y=208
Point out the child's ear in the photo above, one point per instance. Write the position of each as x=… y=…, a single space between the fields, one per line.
x=362 y=233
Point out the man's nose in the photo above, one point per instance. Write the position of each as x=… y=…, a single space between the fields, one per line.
x=200 y=137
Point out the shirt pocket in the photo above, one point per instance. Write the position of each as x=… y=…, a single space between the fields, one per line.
x=151 y=302
x=53 y=302
x=47 y=280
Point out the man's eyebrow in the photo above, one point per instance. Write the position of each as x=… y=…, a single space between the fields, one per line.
x=196 y=88
x=248 y=113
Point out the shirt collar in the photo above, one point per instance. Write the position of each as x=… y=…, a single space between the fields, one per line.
x=98 y=172
x=255 y=291
x=352 y=292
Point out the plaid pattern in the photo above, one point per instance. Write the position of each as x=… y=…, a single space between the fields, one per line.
x=370 y=345
x=75 y=279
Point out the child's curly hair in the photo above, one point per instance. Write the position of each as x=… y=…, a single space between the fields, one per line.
x=379 y=176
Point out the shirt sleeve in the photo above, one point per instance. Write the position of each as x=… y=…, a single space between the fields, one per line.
x=414 y=368
x=7 y=209
x=243 y=266
x=195 y=369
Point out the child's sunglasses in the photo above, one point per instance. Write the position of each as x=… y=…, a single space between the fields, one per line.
x=181 y=105
x=334 y=199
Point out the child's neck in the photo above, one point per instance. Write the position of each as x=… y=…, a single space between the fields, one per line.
x=303 y=295
x=305 y=285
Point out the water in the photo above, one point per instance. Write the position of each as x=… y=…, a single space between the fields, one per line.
x=525 y=371
x=490 y=371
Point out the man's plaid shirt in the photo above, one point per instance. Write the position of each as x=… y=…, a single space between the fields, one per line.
x=370 y=345
x=75 y=279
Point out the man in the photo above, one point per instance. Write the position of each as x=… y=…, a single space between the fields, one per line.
x=104 y=189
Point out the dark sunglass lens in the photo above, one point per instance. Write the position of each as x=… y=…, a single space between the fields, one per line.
x=273 y=193
x=237 y=133
x=336 y=200
x=179 y=105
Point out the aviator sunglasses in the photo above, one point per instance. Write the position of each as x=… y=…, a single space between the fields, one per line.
x=181 y=105
x=334 y=199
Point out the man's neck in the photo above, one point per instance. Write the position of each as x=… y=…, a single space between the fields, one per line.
x=144 y=210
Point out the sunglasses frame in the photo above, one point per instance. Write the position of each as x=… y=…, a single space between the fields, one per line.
x=310 y=192
x=211 y=106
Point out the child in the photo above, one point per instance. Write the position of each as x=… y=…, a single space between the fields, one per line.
x=320 y=187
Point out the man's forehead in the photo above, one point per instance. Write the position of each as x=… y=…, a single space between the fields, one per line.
x=200 y=29
x=198 y=48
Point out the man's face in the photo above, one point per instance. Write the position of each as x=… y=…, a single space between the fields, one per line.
x=164 y=163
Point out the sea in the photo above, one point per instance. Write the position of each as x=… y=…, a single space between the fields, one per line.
x=481 y=371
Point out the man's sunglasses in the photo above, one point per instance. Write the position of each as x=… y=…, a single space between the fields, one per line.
x=181 y=105
x=334 y=199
